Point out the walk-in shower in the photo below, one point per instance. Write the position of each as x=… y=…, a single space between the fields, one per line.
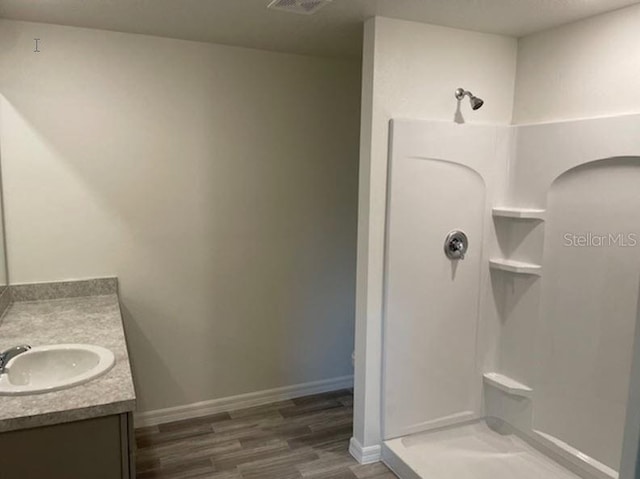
x=516 y=362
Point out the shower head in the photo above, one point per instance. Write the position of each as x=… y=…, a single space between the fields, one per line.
x=476 y=103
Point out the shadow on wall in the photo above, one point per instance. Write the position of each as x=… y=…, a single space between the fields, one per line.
x=147 y=352
x=457 y=116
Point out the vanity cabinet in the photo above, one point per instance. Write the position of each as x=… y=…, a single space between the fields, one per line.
x=98 y=448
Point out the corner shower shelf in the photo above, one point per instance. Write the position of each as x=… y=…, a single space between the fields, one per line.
x=517 y=267
x=507 y=385
x=518 y=213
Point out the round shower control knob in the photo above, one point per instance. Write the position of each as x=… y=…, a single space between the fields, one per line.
x=456 y=245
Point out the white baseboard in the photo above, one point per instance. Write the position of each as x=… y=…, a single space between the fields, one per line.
x=259 y=398
x=364 y=455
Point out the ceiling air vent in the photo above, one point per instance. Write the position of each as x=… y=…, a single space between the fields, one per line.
x=305 y=7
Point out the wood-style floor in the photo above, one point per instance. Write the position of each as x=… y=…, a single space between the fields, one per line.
x=305 y=438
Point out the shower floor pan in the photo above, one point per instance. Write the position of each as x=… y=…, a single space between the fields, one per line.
x=471 y=451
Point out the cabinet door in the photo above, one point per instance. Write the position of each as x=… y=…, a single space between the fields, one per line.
x=75 y=450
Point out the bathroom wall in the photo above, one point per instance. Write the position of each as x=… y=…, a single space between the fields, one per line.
x=443 y=177
x=577 y=71
x=585 y=69
x=218 y=183
x=568 y=334
x=589 y=300
x=410 y=70
x=582 y=70
x=4 y=274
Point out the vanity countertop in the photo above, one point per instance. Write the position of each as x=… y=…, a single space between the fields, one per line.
x=89 y=320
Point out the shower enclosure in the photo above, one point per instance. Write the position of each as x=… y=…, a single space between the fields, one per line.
x=514 y=359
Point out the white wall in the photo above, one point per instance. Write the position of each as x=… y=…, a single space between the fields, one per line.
x=568 y=334
x=443 y=177
x=588 y=306
x=410 y=70
x=581 y=70
x=218 y=183
x=585 y=69
x=629 y=467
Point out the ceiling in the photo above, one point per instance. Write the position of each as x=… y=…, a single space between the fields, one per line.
x=335 y=30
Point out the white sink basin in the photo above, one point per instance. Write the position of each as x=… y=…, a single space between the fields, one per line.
x=50 y=368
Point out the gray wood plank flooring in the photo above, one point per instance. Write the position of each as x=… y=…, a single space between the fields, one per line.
x=304 y=438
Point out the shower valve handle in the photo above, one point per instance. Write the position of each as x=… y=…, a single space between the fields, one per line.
x=456 y=245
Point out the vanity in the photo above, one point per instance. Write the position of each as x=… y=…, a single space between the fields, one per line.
x=78 y=431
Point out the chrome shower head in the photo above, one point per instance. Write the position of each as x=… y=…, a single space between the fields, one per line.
x=476 y=103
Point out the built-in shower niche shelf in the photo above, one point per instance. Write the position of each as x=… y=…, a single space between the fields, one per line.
x=507 y=385
x=518 y=213
x=517 y=267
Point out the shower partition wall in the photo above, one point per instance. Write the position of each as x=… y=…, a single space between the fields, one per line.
x=514 y=361
x=445 y=176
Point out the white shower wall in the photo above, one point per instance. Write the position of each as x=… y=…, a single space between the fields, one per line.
x=568 y=335
x=589 y=300
x=443 y=176
x=585 y=174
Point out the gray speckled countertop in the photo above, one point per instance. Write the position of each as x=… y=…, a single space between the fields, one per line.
x=90 y=320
